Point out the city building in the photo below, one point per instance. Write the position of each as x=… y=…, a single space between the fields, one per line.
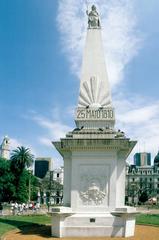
x=42 y=166
x=142 y=159
x=142 y=179
x=52 y=186
x=57 y=186
x=58 y=175
x=156 y=161
x=5 y=148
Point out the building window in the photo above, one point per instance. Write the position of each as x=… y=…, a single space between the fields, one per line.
x=58 y=174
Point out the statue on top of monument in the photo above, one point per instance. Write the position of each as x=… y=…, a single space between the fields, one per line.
x=93 y=18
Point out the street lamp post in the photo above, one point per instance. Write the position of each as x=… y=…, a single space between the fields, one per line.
x=134 y=189
x=51 y=180
x=44 y=197
x=38 y=195
x=29 y=190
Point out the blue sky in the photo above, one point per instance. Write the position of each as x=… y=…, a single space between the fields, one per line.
x=41 y=44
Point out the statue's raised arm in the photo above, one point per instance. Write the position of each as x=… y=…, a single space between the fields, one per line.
x=93 y=18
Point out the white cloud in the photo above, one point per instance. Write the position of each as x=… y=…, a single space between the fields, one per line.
x=57 y=158
x=140 y=121
x=45 y=141
x=14 y=143
x=138 y=114
x=55 y=129
x=119 y=33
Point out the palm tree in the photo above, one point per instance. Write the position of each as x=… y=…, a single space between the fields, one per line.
x=21 y=158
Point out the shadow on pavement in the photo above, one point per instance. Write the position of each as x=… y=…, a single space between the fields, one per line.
x=28 y=228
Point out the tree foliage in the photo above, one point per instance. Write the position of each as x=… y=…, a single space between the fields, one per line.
x=15 y=179
x=22 y=189
x=7 y=187
x=17 y=183
x=21 y=158
x=143 y=197
x=35 y=186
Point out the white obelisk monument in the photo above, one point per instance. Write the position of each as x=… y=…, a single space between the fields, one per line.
x=94 y=155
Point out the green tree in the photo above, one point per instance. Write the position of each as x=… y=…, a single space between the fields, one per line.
x=143 y=197
x=7 y=187
x=22 y=191
x=28 y=186
x=34 y=187
x=21 y=158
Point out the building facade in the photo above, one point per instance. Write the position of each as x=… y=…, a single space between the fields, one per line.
x=5 y=148
x=57 y=192
x=142 y=159
x=42 y=166
x=52 y=186
x=142 y=180
x=58 y=175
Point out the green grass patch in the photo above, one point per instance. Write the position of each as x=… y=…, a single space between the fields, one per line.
x=148 y=219
x=8 y=223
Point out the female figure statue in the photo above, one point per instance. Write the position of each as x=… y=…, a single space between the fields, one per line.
x=93 y=18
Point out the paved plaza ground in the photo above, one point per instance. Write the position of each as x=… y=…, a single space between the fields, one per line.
x=41 y=233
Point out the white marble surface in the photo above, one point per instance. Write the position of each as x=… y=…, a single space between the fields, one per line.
x=94 y=85
x=92 y=224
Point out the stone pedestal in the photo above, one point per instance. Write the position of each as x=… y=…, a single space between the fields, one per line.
x=65 y=223
x=94 y=192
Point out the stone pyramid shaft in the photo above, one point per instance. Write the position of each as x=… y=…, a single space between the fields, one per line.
x=94 y=105
x=94 y=84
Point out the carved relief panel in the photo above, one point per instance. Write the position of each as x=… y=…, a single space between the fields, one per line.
x=93 y=189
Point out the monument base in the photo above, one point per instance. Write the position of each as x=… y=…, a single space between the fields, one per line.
x=119 y=223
